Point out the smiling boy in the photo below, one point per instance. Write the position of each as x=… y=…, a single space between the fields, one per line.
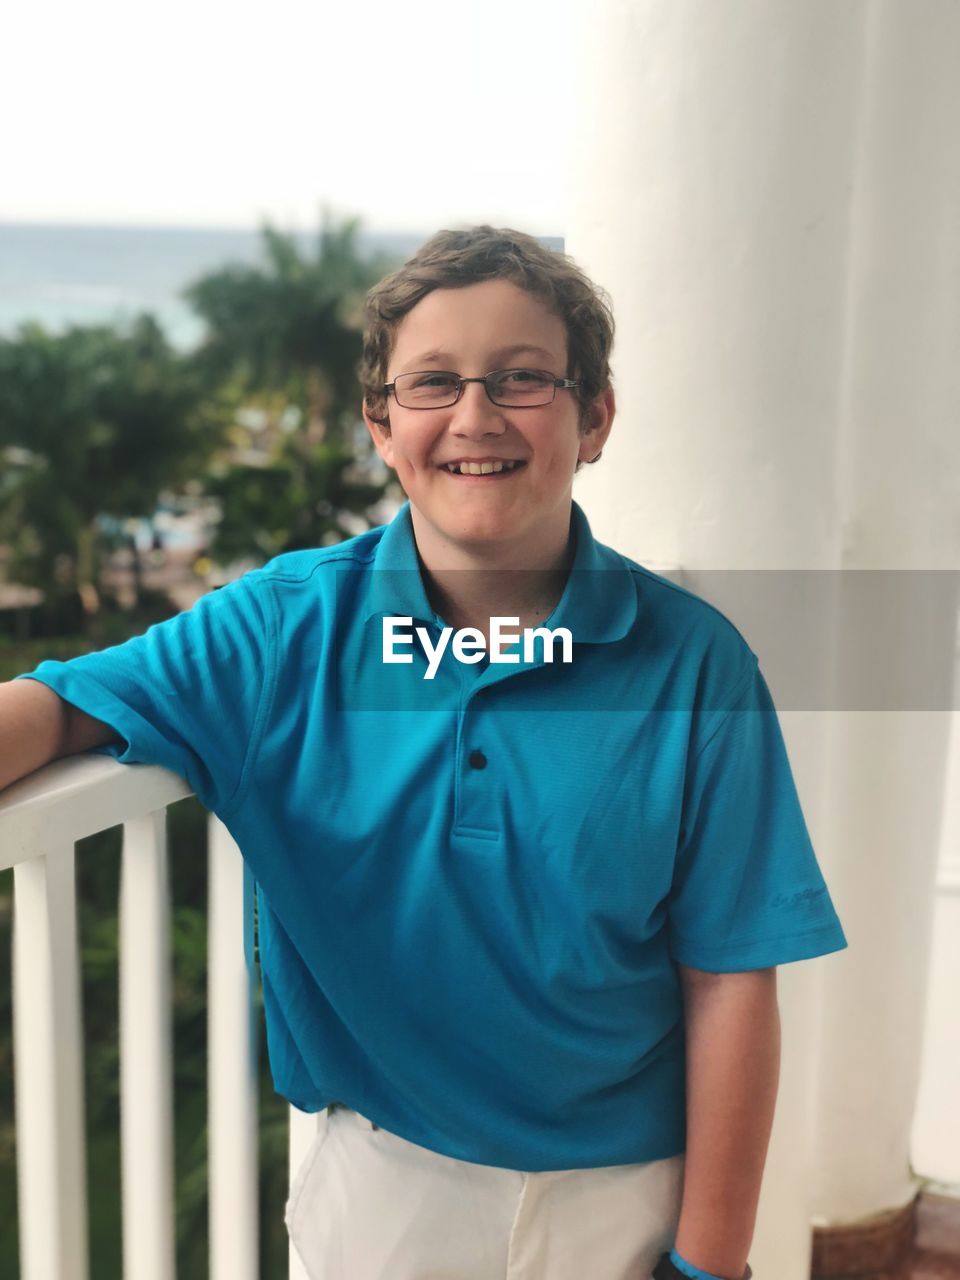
x=519 y=924
x=516 y=518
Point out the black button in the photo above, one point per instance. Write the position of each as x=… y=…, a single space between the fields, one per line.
x=478 y=760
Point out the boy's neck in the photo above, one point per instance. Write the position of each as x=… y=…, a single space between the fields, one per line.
x=468 y=588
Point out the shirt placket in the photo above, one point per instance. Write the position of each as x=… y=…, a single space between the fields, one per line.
x=478 y=807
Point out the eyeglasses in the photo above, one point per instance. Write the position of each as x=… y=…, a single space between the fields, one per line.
x=512 y=388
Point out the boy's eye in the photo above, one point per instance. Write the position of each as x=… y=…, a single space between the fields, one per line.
x=523 y=375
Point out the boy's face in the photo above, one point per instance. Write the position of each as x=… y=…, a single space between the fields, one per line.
x=475 y=330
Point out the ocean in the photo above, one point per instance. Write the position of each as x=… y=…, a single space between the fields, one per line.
x=60 y=276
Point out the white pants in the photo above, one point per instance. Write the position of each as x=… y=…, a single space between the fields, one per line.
x=367 y=1205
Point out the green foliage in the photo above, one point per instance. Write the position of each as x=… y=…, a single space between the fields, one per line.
x=297 y=502
x=92 y=422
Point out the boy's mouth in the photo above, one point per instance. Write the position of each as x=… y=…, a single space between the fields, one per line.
x=497 y=467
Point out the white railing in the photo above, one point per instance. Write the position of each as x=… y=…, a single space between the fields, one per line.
x=41 y=819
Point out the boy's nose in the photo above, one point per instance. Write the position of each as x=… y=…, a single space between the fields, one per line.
x=476 y=412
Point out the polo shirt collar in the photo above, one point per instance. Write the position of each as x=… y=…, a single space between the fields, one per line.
x=397 y=588
x=598 y=604
x=599 y=601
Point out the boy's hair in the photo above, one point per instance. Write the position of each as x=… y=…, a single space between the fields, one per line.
x=453 y=259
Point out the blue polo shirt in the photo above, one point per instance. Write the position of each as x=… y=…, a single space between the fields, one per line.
x=475 y=889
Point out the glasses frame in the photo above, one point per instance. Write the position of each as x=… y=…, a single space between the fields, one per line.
x=562 y=383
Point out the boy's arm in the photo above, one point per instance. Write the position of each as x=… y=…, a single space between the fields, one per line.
x=733 y=1064
x=37 y=726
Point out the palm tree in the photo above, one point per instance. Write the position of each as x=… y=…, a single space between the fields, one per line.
x=293 y=326
x=286 y=338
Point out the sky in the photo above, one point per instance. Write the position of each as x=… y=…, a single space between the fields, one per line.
x=208 y=113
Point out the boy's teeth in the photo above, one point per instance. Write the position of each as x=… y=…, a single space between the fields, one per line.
x=478 y=468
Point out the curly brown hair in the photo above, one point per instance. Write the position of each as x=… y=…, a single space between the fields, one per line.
x=452 y=259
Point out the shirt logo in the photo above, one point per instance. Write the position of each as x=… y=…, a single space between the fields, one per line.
x=795 y=899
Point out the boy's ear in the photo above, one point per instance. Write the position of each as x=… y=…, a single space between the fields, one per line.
x=602 y=413
x=380 y=435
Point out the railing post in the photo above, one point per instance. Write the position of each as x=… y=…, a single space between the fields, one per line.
x=48 y=1057
x=146 y=1080
x=232 y=1073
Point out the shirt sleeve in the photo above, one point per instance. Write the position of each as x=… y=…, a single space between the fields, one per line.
x=747 y=890
x=187 y=694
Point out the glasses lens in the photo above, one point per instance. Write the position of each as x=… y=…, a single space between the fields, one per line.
x=521 y=387
x=425 y=390
x=434 y=389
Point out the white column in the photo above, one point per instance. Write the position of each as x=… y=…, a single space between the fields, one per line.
x=898 y=482
x=769 y=191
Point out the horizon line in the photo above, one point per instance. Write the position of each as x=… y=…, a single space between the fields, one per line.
x=237 y=229
x=21 y=223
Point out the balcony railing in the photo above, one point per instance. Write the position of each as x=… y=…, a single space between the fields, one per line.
x=41 y=819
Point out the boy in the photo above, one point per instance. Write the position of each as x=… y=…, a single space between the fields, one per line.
x=520 y=908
